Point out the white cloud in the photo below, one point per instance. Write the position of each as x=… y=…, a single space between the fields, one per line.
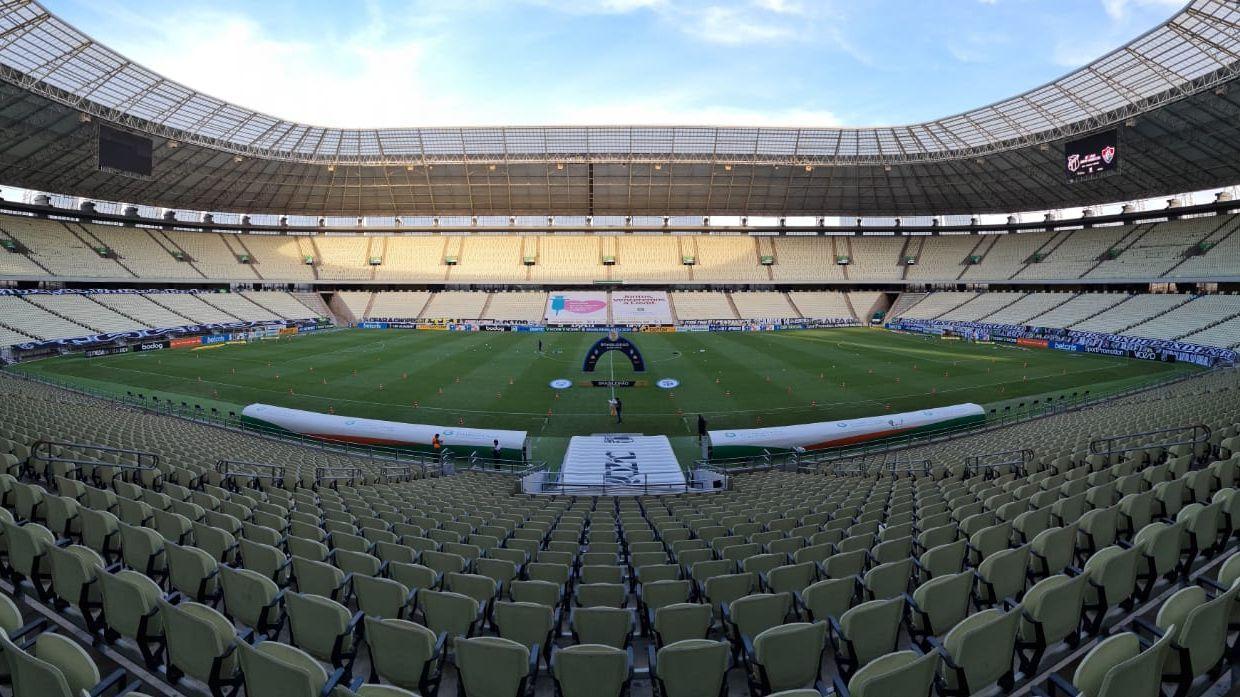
x=374 y=77
x=1126 y=17
x=734 y=26
x=369 y=78
x=726 y=22
x=976 y=47
x=588 y=7
x=1075 y=53
x=783 y=7
x=1118 y=9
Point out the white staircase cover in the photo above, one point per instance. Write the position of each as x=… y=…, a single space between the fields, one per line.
x=615 y=461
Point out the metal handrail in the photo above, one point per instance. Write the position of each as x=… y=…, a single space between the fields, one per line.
x=498 y=464
x=554 y=484
x=1198 y=433
x=871 y=464
x=399 y=473
x=913 y=468
x=77 y=463
x=332 y=476
x=226 y=468
x=515 y=469
x=1021 y=457
x=153 y=458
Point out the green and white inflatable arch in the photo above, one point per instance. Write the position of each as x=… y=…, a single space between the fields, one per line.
x=833 y=434
x=390 y=434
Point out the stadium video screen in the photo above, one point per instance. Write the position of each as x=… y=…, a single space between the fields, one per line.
x=124 y=153
x=1096 y=154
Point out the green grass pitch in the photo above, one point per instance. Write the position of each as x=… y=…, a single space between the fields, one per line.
x=500 y=380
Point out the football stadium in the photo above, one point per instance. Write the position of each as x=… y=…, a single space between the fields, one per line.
x=946 y=408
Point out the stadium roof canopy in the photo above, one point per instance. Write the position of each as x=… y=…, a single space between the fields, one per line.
x=1167 y=91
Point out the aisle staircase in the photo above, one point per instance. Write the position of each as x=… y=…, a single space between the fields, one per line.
x=980 y=250
x=87 y=238
x=904 y=303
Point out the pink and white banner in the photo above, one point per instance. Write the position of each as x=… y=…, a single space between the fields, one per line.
x=577 y=307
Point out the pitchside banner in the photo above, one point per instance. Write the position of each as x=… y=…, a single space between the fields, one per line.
x=640 y=307
x=577 y=307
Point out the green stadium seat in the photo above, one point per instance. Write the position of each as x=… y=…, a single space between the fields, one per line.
x=1118 y=666
x=131 y=610
x=454 y=614
x=253 y=600
x=865 y=632
x=978 y=652
x=55 y=666
x=202 y=645
x=679 y=622
x=900 y=673
x=1112 y=575
x=785 y=657
x=602 y=625
x=405 y=654
x=1198 y=627
x=528 y=624
x=75 y=572
x=495 y=667
x=689 y=668
x=591 y=670
x=1051 y=613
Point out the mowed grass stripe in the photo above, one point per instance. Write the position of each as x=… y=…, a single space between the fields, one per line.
x=485 y=362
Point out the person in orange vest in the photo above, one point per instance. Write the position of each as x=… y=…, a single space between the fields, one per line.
x=436 y=443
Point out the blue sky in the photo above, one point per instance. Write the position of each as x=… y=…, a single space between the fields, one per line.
x=726 y=62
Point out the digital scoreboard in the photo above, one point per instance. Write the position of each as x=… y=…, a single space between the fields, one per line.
x=1093 y=155
x=121 y=152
